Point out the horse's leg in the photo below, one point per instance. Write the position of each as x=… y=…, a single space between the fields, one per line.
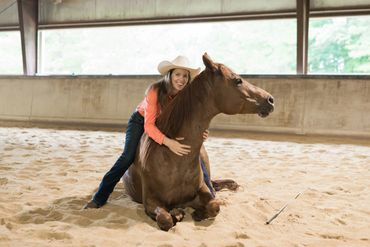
x=159 y=213
x=206 y=206
x=177 y=215
x=220 y=184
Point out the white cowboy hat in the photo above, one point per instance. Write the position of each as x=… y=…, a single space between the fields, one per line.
x=180 y=62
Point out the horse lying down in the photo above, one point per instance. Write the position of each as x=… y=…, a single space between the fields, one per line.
x=165 y=182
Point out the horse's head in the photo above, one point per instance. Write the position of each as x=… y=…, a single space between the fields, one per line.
x=233 y=94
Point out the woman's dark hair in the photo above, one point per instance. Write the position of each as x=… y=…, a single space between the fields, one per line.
x=164 y=87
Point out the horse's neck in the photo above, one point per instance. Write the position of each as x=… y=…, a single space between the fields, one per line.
x=201 y=116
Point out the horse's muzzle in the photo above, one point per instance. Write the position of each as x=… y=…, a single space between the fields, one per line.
x=267 y=107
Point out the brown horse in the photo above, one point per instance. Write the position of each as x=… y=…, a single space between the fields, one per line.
x=164 y=181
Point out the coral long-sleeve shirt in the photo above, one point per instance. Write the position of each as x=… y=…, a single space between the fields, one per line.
x=149 y=109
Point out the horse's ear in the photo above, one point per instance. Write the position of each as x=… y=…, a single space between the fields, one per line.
x=209 y=63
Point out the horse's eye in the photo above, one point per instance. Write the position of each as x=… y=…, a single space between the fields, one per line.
x=238 y=82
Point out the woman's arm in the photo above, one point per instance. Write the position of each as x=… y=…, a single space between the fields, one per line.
x=176 y=147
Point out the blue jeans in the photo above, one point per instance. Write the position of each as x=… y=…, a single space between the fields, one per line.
x=207 y=179
x=134 y=131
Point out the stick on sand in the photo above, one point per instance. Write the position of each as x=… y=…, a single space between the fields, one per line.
x=281 y=210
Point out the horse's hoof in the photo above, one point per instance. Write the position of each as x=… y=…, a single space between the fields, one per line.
x=213 y=208
x=199 y=214
x=164 y=221
x=177 y=215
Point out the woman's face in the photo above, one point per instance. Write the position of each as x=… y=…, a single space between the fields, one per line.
x=179 y=79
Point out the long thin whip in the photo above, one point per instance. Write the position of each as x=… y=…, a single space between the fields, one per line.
x=282 y=209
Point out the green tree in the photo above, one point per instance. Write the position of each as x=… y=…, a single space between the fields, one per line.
x=339 y=45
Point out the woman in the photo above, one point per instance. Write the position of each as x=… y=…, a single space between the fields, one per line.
x=177 y=74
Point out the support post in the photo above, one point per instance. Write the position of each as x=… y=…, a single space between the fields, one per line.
x=28 y=20
x=303 y=10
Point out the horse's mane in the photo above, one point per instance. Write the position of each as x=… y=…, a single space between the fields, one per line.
x=174 y=115
x=180 y=108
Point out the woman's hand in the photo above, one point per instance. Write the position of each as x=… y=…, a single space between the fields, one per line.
x=177 y=147
x=205 y=134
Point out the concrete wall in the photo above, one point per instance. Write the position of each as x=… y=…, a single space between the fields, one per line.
x=304 y=105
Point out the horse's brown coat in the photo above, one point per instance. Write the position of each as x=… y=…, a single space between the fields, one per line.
x=164 y=181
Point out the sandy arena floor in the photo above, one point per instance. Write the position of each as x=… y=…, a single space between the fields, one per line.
x=47 y=175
